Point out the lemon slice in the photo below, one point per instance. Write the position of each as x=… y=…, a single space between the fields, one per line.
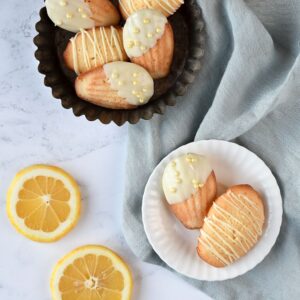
x=43 y=203
x=91 y=273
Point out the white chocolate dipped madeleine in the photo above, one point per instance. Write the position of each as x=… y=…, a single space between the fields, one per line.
x=149 y=41
x=116 y=85
x=74 y=15
x=190 y=187
x=167 y=7
x=95 y=47
x=232 y=227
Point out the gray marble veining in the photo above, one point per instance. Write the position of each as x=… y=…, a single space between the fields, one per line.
x=34 y=128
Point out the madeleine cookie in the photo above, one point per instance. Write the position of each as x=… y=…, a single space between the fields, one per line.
x=116 y=85
x=167 y=7
x=74 y=15
x=94 y=47
x=190 y=187
x=232 y=227
x=149 y=41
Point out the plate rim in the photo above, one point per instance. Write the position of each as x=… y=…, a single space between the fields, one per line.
x=279 y=212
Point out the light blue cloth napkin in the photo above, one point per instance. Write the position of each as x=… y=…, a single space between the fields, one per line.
x=248 y=91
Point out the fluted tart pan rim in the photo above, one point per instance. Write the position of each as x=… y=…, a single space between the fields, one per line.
x=61 y=88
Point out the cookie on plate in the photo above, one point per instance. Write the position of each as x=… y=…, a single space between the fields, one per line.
x=167 y=7
x=149 y=41
x=94 y=47
x=116 y=85
x=190 y=187
x=232 y=227
x=74 y=15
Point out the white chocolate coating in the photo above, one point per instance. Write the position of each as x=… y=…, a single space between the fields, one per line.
x=131 y=81
x=71 y=15
x=184 y=175
x=142 y=30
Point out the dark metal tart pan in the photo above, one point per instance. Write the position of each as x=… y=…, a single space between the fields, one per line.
x=188 y=27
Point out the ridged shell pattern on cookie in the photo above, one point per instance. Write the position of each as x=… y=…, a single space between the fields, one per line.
x=142 y=30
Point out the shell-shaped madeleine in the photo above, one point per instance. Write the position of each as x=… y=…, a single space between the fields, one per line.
x=94 y=47
x=149 y=41
x=233 y=226
x=167 y=7
x=80 y=14
x=190 y=186
x=116 y=85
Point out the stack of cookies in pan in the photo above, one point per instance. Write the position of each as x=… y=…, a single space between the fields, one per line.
x=116 y=65
x=230 y=223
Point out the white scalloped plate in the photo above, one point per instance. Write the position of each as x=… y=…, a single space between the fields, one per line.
x=176 y=245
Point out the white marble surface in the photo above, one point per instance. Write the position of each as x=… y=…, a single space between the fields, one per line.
x=35 y=129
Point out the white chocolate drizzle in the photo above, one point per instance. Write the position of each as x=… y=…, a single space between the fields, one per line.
x=214 y=219
x=221 y=210
x=184 y=175
x=100 y=52
x=131 y=81
x=142 y=30
x=207 y=244
x=214 y=228
x=70 y=15
x=234 y=201
x=217 y=236
x=168 y=6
